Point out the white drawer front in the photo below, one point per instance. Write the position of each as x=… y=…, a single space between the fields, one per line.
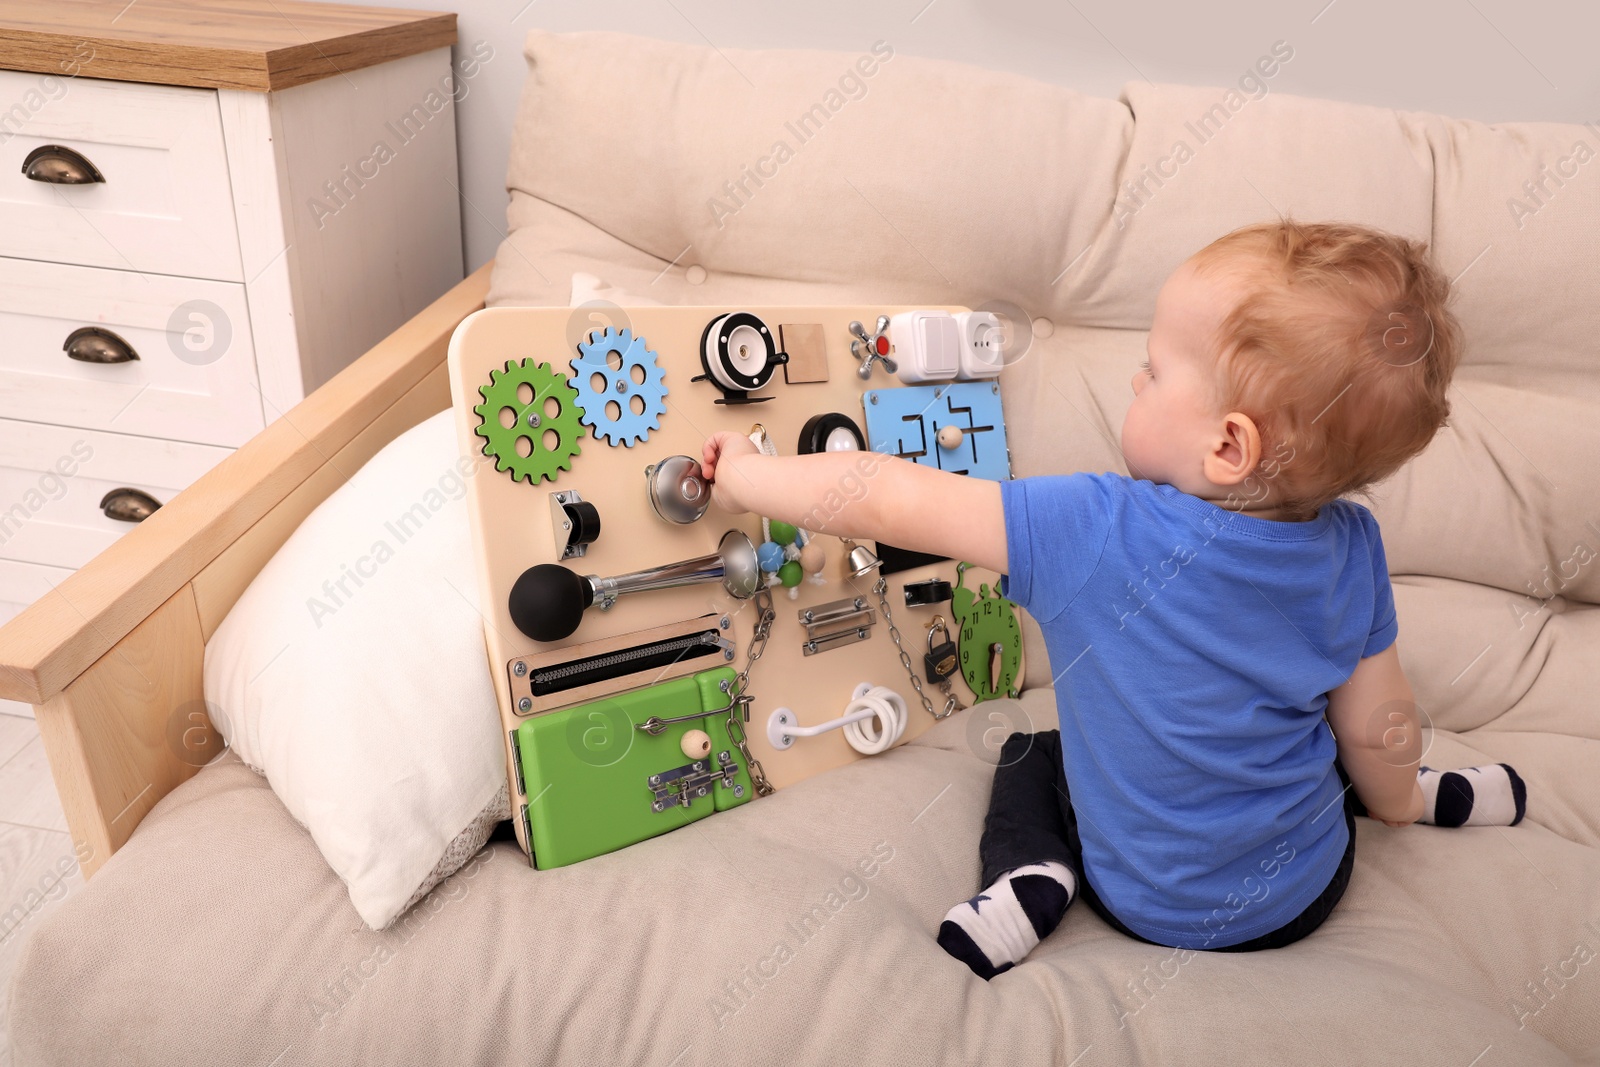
x=23 y=583
x=165 y=206
x=53 y=479
x=195 y=375
x=20 y=585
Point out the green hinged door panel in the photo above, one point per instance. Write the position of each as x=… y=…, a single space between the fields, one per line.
x=595 y=783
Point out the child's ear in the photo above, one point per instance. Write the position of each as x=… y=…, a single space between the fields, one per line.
x=1236 y=450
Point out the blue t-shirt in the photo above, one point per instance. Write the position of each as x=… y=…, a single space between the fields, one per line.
x=1194 y=648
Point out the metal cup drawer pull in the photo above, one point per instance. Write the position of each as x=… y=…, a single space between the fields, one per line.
x=60 y=165
x=129 y=505
x=95 y=344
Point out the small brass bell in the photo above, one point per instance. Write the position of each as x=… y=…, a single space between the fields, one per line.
x=861 y=560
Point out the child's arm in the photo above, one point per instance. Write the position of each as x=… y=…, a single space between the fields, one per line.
x=1374 y=721
x=863 y=494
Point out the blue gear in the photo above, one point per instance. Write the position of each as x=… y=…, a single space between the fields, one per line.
x=629 y=427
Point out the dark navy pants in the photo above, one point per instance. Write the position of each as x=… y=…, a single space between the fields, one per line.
x=1031 y=820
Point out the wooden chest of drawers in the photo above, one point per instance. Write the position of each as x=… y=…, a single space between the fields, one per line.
x=197 y=228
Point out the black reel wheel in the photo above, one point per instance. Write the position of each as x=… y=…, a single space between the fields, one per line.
x=739 y=355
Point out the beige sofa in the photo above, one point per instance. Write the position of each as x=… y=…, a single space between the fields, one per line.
x=217 y=935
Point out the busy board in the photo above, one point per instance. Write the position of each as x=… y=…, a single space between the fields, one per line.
x=621 y=605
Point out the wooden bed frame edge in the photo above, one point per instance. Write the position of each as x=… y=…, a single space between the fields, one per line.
x=112 y=658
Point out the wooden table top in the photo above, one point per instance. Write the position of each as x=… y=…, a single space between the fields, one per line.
x=222 y=44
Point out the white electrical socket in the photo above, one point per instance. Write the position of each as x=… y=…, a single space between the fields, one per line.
x=927 y=345
x=983 y=340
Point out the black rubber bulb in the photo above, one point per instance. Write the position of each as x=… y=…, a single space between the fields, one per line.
x=547 y=602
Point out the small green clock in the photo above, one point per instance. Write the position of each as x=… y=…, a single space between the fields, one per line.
x=990 y=642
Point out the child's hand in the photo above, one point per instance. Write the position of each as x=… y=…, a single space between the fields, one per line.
x=719 y=447
x=1414 y=809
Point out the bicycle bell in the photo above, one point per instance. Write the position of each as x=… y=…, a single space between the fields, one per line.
x=679 y=493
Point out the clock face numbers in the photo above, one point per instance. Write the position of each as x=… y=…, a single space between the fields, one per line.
x=990 y=641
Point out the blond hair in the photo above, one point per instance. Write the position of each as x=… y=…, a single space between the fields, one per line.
x=1341 y=350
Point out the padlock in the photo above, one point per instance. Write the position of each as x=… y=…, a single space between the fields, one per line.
x=940 y=661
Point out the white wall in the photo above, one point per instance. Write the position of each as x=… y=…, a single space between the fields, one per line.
x=1492 y=60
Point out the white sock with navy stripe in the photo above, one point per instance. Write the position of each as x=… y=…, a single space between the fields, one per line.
x=998 y=927
x=1493 y=795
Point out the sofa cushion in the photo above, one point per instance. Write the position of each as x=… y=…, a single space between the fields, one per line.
x=796 y=930
x=900 y=179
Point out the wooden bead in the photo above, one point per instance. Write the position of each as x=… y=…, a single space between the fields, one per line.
x=696 y=744
x=949 y=437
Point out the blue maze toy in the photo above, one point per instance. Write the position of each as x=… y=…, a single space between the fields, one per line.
x=905 y=422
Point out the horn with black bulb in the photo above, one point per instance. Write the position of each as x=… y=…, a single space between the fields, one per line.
x=547 y=602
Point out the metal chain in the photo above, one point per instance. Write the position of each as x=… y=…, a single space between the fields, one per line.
x=951 y=704
x=739 y=703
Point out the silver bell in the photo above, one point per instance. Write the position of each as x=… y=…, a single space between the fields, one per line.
x=678 y=492
x=861 y=560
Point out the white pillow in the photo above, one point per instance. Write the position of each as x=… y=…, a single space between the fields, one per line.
x=352 y=674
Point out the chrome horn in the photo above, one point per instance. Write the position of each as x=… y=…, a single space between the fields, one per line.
x=547 y=602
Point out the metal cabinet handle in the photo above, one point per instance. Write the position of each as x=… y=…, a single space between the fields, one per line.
x=95 y=344
x=129 y=505
x=60 y=165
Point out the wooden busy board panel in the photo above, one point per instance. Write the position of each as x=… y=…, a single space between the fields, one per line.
x=513 y=528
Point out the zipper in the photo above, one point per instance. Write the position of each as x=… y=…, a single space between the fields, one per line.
x=625 y=661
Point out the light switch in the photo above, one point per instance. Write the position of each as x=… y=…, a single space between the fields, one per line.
x=927 y=345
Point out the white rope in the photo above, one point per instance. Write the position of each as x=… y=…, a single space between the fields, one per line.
x=888 y=721
x=763 y=443
x=872 y=722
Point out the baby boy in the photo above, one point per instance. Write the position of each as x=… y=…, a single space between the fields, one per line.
x=1230 y=693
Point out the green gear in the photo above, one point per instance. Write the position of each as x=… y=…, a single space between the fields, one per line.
x=500 y=441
